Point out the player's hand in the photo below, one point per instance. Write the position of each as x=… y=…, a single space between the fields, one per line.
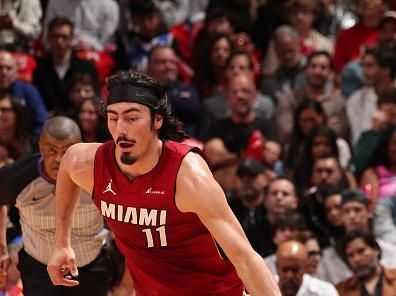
x=62 y=267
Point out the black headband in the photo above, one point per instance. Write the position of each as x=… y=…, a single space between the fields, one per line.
x=132 y=94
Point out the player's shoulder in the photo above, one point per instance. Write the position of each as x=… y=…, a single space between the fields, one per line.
x=81 y=152
x=193 y=164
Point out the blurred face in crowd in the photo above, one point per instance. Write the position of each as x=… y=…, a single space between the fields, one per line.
x=318 y=71
x=60 y=40
x=389 y=109
x=52 y=150
x=370 y=8
x=320 y=147
x=280 y=197
x=284 y=234
x=219 y=25
x=272 y=152
x=7 y=114
x=220 y=52
x=238 y=64
x=387 y=33
x=362 y=259
x=8 y=70
x=326 y=171
x=355 y=215
x=81 y=91
x=301 y=18
x=290 y=265
x=147 y=25
x=162 y=66
x=288 y=51
x=308 y=119
x=241 y=94
x=332 y=205
x=371 y=70
x=250 y=187
x=88 y=117
x=314 y=255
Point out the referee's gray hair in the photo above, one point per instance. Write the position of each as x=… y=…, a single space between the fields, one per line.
x=285 y=31
x=61 y=128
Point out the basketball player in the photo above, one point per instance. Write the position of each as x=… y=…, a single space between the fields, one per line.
x=161 y=201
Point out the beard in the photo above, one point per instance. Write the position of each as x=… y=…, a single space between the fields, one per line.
x=290 y=287
x=366 y=271
x=127 y=159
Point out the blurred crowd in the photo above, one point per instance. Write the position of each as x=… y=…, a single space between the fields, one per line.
x=292 y=101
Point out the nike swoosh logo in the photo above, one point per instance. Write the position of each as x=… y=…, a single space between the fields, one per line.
x=38 y=198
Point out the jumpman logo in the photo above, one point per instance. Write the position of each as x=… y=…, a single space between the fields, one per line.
x=108 y=188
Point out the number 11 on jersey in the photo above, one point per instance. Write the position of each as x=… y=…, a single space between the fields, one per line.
x=149 y=236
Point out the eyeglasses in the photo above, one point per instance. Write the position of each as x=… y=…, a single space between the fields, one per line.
x=6 y=110
x=314 y=253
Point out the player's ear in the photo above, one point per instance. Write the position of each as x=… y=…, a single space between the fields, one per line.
x=158 y=120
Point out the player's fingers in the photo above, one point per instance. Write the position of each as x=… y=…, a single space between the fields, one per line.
x=58 y=279
x=73 y=267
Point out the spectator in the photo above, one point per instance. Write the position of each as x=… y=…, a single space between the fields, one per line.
x=291 y=260
x=332 y=206
x=326 y=173
x=379 y=70
x=57 y=68
x=93 y=126
x=133 y=47
x=30 y=184
x=246 y=202
x=319 y=86
x=22 y=90
x=289 y=75
x=184 y=99
x=280 y=196
x=103 y=16
x=307 y=116
x=216 y=107
x=82 y=86
x=286 y=227
x=362 y=253
x=14 y=135
x=209 y=68
x=228 y=139
x=350 y=42
x=300 y=15
x=384 y=223
x=19 y=24
x=355 y=216
x=308 y=239
x=379 y=178
x=320 y=142
x=382 y=120
x=352 y=75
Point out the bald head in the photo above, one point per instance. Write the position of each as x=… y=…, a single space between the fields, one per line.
x=8 y=69
x=61 y=128
x=291 y=249
x=291 y=260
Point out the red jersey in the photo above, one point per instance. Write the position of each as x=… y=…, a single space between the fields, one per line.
x=168 y=252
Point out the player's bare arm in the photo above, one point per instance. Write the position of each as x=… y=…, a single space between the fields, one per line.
x=198 y=192
x=75 y=172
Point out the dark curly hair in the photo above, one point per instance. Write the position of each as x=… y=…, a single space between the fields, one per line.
x=172 y=129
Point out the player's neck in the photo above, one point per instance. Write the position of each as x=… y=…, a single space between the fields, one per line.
x=145 y=163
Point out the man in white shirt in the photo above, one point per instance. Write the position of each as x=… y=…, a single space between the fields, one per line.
x=291 y=261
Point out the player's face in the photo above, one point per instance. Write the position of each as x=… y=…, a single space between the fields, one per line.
x=132 y=129
x=52 y=150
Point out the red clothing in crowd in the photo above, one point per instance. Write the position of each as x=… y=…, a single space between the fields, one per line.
x=351 y=42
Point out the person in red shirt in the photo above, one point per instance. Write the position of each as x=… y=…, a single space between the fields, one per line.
x=351 y=42
x=169 y=216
